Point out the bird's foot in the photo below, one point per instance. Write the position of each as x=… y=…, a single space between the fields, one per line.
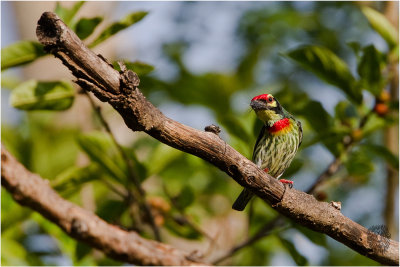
x=284 y=181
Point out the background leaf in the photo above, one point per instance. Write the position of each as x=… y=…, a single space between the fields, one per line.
x=185 y=197
x=326 y=65
x=318 y=117
x=20 y=53
x=119 y=26
x=384 y=153
x=74 y=177
x=297 y=257
x=370 y=70
x=101 y=150
x=67 y=14
x=36 y=95
x=359 y=163
x=381 y=25
x=140 y=68
x=85 y=26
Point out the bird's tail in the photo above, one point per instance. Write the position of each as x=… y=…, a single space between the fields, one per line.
x=242 y=200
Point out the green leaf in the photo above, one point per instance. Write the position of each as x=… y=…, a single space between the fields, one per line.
x=182 y=230
x=234 y=127
x=9 y=81
x=20 y=53
x=248 y=64
x=317 y=116
x=12 y=213
x=344 y=109
x=85 y=27
x=185 y=197
x=359 y=164
x=139 y=168
x=67 y=14
x=100 y=148
x=297 y=257
x=36 y=95
x=82 y=250
x=327 y=66
x=315 y=237
x=14 y=254
x=381 y=25
x=73 y=177
x=164 y=156
x=111 y=210
x=119 y=26
x=139 y=67
x=384 y=153
x=374 y=122
x=355 y=46
x=347 y=115
x=370 y=70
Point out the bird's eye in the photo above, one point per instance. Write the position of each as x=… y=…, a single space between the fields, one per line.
x=270 y=99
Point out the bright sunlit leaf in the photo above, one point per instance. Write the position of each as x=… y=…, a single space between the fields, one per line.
x=36 y=95
x=20 y=53
x=329 y=67
x=85 y=26
x=119 y=26
x=381 y=25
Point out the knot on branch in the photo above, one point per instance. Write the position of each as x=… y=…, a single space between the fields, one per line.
x=215 y=129
x=336 y=205
x=79 y=228
x=129 y=79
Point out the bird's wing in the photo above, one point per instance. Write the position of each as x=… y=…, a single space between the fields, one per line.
x=300 y=133
x=262 y=132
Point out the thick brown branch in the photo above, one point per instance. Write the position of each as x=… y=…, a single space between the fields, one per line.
x=31 y=190
x=139 y=114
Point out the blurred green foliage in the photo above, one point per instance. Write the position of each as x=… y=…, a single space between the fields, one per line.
x=183 y=190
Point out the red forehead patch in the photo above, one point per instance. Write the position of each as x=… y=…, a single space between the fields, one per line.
x=263 y=96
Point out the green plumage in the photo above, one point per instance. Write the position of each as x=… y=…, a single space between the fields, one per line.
x=274 y=149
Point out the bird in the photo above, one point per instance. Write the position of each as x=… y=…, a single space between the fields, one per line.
x=277 y=143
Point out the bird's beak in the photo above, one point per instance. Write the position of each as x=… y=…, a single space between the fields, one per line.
x=258 y=105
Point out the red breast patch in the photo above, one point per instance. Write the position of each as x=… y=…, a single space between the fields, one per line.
x=279 y=125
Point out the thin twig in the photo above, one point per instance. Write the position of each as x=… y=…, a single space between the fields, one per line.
x=122 y=194
x=132 y=175
x=328 y=172
x=266 y=230
x=184 y=218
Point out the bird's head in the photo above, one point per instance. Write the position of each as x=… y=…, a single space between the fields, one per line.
x=267 y=108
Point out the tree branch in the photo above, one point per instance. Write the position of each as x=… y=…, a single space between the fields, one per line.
x=93 y=73
x=32 y=191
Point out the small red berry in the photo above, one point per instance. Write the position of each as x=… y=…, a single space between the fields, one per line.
x=381 y=109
